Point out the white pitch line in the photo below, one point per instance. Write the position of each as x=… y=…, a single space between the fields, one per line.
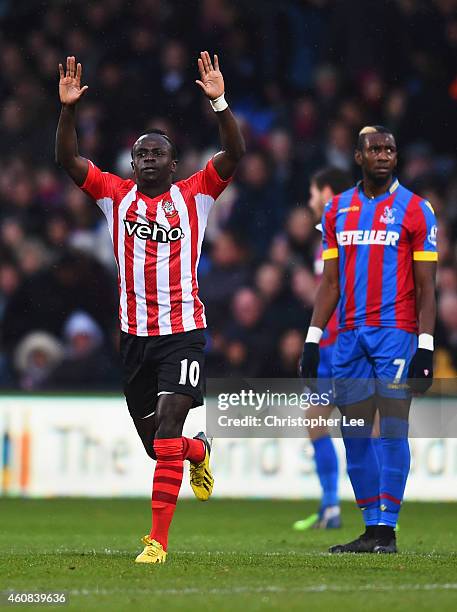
x=220 y=553
x=319 y=588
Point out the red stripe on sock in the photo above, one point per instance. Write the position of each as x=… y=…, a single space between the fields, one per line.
x=162 y=496
x=367 y=500
x=170 y=471
x=170 y=458
x=176 y=482
x=390 y=498
x=172 y=488
x=166 y=487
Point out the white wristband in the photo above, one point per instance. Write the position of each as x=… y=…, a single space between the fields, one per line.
x=314 y=335
x=425 y=342
x=219 y=104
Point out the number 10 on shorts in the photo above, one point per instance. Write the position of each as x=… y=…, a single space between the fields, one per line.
x=192 y=372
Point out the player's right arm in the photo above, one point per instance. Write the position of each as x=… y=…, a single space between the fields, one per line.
x=327 y=296
x=66 y=149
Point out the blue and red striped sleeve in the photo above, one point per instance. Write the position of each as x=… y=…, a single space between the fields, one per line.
x=329 y=242
x=423 y=231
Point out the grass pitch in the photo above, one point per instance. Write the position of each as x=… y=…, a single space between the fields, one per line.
x=224 y=555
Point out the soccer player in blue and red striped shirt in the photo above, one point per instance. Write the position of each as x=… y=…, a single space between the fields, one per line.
x=380 y=262
x=324 y=185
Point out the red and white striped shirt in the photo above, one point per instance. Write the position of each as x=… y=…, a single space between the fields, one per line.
x=157 y=244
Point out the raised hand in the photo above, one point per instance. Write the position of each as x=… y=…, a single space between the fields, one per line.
x=70 y=90
x=212 y=81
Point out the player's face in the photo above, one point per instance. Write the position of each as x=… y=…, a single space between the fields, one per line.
x=315 y=200
x=378 y=157
x=152 y=161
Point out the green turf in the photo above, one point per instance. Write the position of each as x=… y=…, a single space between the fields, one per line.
x=224 y=555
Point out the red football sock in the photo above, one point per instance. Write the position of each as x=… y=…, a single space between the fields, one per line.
x=192 y=449
x=165 y=489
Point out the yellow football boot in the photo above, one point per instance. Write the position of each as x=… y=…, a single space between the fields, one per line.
x=153 y=552
x=201 y=478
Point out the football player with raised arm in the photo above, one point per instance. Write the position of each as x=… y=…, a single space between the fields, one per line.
x=157 y=228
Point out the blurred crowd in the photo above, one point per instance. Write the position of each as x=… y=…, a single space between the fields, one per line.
x=302 y=76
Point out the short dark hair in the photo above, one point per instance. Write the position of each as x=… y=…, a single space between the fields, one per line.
x=370 y=129
x=174 y=150
x=338 y=180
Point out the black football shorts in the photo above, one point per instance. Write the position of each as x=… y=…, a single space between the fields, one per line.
x=153 y=365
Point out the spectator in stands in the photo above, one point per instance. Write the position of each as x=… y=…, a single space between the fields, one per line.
x=249 y=340
x=86 y=363
x=228 y=271
x=35 y=357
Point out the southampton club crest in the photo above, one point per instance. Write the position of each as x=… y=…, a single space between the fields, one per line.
x=169 y=208
x=388 y=216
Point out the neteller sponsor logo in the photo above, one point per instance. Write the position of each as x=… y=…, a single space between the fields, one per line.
x=153 y=231
x=367 y=237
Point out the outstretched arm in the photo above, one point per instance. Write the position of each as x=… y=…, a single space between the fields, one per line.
x=233 y=147
x=66 y=150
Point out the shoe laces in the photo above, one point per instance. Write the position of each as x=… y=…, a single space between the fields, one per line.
x=152 y=547
x=197 y=474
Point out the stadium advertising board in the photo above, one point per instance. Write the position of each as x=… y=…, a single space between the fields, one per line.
x=87 y=446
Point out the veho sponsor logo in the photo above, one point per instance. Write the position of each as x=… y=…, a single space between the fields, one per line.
x=153 y=231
